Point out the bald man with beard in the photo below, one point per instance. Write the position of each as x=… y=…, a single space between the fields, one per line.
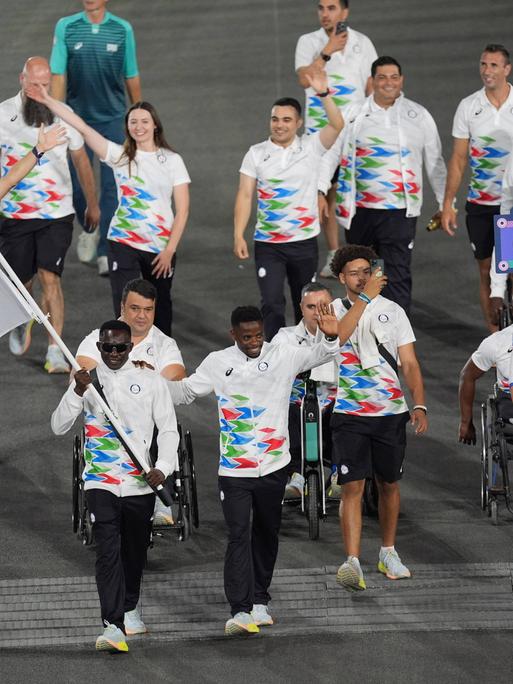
x=37 y=213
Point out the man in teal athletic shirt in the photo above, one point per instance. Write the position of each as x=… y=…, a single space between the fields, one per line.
x=93 y=60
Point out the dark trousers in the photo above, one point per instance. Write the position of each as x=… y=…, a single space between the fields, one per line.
x=127 y=263
x=115 y=131
x=391 y=233
x=294 y=261
x=122 y=527
x=295 y=437
x=252 y=544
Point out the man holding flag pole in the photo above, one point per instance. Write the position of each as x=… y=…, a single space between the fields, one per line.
x=123 y=498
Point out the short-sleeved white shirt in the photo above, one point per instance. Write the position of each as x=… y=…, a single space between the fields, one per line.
x=490 y=134
x=347 y=70
x=45 y=192
x=144 y=216
x=287 y=179
x=373 y=391
x=156 y=348
x=496 y=350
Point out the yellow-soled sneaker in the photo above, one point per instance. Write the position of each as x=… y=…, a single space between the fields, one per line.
x=350 y=575
x=112 y=639
x=391 y=565
x=241 y=623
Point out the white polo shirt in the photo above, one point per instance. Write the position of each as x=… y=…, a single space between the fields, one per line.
x=46 y=192
x=373 y=391
x=157 y=349
x=347 y=70
x=490 y=134
x=287 y=179
x=496 y=350
x=144 y=217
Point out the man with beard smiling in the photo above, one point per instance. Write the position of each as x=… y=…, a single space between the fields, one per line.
x=252 y=382
x=37 y=213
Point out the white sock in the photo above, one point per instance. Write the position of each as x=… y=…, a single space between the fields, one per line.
x=384 y=549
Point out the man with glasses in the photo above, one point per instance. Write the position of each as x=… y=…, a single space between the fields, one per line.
x=117 y=493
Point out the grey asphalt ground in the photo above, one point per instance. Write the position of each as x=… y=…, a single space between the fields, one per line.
x=213 y=70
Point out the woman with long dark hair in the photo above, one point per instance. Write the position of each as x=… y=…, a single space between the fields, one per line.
x=144 y=232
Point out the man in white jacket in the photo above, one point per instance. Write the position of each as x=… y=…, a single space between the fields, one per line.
x=368 y=425
x=252 y=382
x=381 y=151
x=117 y=493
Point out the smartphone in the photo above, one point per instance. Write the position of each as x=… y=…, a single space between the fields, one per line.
x=341 y=27
x=378 y=265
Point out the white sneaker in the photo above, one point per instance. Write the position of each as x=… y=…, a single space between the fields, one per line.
x=86 y=246
x=326 y=271
x=103 y=266
x=112 y=639
x=391 y=565
x=241 y=623
x=294 y=487
x=133 y=623
x=55 y=361
x=261 y=615
x=350 y=575
x=20 y=338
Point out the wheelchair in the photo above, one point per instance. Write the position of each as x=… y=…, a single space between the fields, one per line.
x=506 y=312
x=496 y=451
x=181 y=484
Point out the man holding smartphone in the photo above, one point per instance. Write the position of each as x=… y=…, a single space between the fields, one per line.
x=368 y=425
x=347 y=56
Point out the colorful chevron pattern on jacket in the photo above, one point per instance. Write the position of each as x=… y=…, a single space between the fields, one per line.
x=35 y=194
x=342 y=93
x=326 y=392
x=245 y=441
x=380 y=182
x=371 y=392
x=487 y=162
x=106 y=461
x=135 y=223
x=278 y=220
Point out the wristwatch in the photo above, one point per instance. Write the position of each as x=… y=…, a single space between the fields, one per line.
x=330 y=338
x=325 y=57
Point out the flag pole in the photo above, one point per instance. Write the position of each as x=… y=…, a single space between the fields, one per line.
x=25 y=298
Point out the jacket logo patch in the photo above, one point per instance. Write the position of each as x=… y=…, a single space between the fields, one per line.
x=77 y=46
x=229 y=372
x=112 y=47
x=263 y=366
x=383 y=318
x=135 y=389
x=149 y=351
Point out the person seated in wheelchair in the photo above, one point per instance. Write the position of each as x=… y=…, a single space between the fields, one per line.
x=119 y=498
x=306 y=333
x=151 y=348
x=495 y=351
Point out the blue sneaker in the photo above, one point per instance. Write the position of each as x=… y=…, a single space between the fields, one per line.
x=133 y=623
x=112 y=639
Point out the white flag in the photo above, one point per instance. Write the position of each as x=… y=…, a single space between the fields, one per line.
x=13 y=309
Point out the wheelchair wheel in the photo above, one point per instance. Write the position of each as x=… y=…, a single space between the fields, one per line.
x=192 y=489
x=77 y=454
x=494 y=511
x=312 y=504
x=485 y=455
x=184 y=530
